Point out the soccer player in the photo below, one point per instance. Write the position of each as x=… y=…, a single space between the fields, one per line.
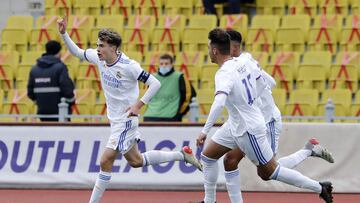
x=119 y=79
x=236 y=87
x=272 y=118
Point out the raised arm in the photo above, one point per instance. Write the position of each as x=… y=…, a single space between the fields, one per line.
x=73 y=48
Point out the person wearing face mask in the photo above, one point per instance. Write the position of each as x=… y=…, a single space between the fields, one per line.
x=172 y=101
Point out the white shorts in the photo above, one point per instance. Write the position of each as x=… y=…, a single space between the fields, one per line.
x=273 y=130
x=256 y=147
x=124 y=135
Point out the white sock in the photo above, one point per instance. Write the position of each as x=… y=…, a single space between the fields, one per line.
x=233 y=186
x=295 y=178
x=294 y=159
x=99 y=188
x=157 y=157
x=211 y=170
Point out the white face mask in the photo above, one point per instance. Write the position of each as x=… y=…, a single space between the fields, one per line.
x=164 y=69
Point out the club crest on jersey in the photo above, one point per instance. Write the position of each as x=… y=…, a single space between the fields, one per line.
x=118 y=74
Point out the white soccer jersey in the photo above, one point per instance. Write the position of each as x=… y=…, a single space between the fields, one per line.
x=236 y=79
x=119 y=82
x=266 y=103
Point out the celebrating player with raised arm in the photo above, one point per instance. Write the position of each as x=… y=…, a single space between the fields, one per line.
x=237 y=85
x=119 y=79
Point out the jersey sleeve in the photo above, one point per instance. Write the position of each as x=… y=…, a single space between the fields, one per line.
x=91 y=56
x=138 y=73
x=224 y=82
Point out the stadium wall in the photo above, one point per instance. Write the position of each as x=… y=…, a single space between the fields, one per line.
x=67 y=156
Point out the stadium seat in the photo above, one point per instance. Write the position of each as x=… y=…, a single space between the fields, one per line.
x=136 y=40
x=56 y=7
x=291 y=36
x=205 y=98
x=15 y=109
x=207 y=22
x=283 y=75
x=344 y=76
x=106 y=21
x=115 y=7
x=236 y=22
x=135 y=55
x=85 y=100
x=46 y=22
x=355 y=6
x=85 y=22
x=79 y=109
x=261 y=35
x=338 y=96
x=195 y=40
x=22 y=76
x=88 y=77
x=87 y=7
x=20 y=22
x=14 y=40
x=39 y=37
x=72 y=63
x=172 y=21
x=19 y=96
x=299 y=109
x=311 y=77
x=148 y=7
x=6 y=77
x=323 y=58
x=275 y=7
x=190 y=58
x=183 y=7
x=279 y=96
x=166 y=39
x=85 y=96
x=339 y=110
x=10 y=58
x=146 y=22
x=350 y=35
x=303 y=7
x=261 y=57
x=207 y=76
x=100 y=109
x=304 y=96
x=2 y=98
x=338 y=7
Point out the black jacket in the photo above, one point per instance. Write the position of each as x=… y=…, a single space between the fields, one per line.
x=48 y=82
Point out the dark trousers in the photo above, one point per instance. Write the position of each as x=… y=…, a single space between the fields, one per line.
x=233 y=6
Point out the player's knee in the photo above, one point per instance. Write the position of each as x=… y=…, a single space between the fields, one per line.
x=105 y=164
x=264 y=176
x=136 y=163
x=230 y=163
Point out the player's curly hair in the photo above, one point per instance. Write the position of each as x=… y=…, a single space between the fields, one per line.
x=220 y=40
x=110 y=36
x=234 y=36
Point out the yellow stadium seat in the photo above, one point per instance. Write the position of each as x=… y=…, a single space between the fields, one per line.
x=19 y=96
x=85 y=96
x=39 y=37
x=323 y=58
x=72 y=63
x=106 y=21
x=184 y=7
x=338 y=96
x=342 y=77
x=304 y=96
x=85 y=22
x=15 y=109
x=146 y=22
x=172 y=21
x=350 y=39
x=311 y=77
x=355 y=110
x=87 y=7
x=135 y=55
x=100 y=109
x=148 y=7
x=207 y=76
x=345 y=57
x=195 y=58
x=283 y=75
x=136 y=40
x=154 y=57
x=236 y=22
x=339 y=7
x=355 y=6
x=46 y=22
x=56 y=7
x=207 y=22
x=279 y=96
x=299 y=109
x=195 y=40
x=303 y=7
x=167 y=39
x=10 y=58
x=339 y=110
x=22 y=76
x=328 y=21
x=30 y=57
x=205 y=97
x=88 y=77
x=79 y=109
x=291 y=36
x=190 y=72
x=115 y=7
x=261 y=35
x=265 y=7
x=6 y=77
x=20 y=22
x=288 y=58
x=14 y=40
x=261 y=57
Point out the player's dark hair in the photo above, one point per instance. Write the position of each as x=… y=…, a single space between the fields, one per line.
x=167 y=57
x=110 y=36
x=220 y=40
x=234 y=35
